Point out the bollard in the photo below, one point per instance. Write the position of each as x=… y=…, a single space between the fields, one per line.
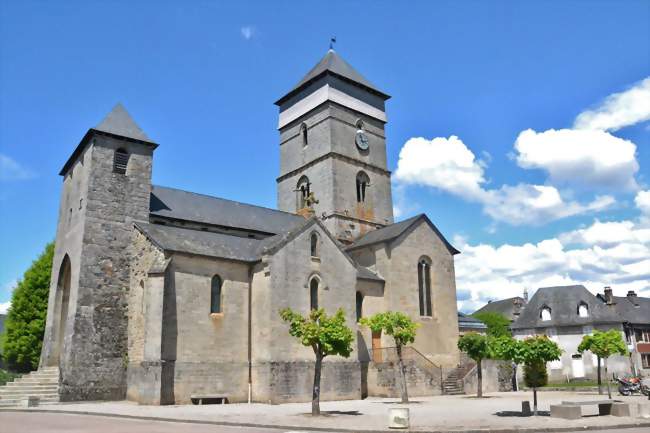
x=398 y=417
x=525 y=408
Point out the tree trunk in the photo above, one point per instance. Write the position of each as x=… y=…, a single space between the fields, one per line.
x=402 y=370
x=479 y=372
x=315 y=399
x=609 y=391
x=600 y=382
x=535 y=401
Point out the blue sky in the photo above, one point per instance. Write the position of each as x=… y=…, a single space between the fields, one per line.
x=562 y=203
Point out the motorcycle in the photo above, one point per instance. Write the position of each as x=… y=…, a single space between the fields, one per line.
x=632 y=385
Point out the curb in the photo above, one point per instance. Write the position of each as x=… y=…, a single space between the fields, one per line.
x=638 y=424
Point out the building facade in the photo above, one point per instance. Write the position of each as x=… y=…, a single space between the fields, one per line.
x=159 y=294
x=567 y=313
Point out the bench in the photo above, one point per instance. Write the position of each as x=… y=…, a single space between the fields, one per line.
x=573 y=409
x=208 y=399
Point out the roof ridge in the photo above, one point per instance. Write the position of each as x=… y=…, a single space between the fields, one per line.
x=226 y=199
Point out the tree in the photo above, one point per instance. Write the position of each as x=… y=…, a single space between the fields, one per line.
x=326 y=335
x=535 y=352
x=604 y=345
x=25 y=322
x=477 y=347
x=399 y=326
x=498 y=325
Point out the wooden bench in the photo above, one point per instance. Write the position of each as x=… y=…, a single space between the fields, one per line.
x=573 y=409
x=208 y=399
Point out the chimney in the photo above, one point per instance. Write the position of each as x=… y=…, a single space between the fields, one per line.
x=525 y=295
x=609 y=297
x=631 y=294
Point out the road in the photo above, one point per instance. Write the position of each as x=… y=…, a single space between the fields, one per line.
x=21 y=422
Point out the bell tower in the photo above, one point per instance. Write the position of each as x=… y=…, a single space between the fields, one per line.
x=333 y=150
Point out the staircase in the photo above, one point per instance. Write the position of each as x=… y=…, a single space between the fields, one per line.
x=43 y=383
x=453 y=383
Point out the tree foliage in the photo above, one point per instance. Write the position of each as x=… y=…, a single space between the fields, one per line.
x=535 y=375
x=604 y=345
x=326 y=335
x=25 y=322
x=497 y=324
x=477 y=347
x=403 y=330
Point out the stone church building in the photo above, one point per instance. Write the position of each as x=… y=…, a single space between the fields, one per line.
x=159 y=294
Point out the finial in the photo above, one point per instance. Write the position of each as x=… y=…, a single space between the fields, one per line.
x=332 y=42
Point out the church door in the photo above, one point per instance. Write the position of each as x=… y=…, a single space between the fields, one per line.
x=61 y=308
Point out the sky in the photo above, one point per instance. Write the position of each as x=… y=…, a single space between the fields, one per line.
x=522 y=129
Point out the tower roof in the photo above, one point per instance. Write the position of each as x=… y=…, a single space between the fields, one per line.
x=119 y=122
x=334 y=64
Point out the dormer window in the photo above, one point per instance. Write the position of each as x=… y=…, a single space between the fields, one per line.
x=545 y=313
x=120 y=161
x=583 y=309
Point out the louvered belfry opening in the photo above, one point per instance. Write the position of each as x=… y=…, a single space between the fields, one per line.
x=120 y=161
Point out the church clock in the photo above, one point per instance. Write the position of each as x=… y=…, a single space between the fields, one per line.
x=361 y=139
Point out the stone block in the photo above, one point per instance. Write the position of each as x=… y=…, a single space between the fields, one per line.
x=605 y=409
x=565 y=411
x=398 y=418
x=525 y=408
x=620 y=409
x=643 y=410
x=30 y=401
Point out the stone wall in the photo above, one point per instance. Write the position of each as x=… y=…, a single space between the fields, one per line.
x=383 y=380
x=497 y=376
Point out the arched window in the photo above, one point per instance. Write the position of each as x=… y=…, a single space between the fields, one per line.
x=363 y=181
x=424 y=286
x=313 y=241
x=303 y=190
x=583 y=309
x=313 y=294
x=215 y=295
x=545 y=313
x=303 y=134
x=359 y=124
x=359 y=306
x=120 y=161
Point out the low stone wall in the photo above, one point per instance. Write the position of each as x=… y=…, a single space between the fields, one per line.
x=382 y=380
x=497 y=376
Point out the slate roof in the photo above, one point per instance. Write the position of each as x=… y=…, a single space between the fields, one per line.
x=563 y=302
x=393 y=231
x=366 y=274
x=632 y=309
x=510 y=307
x=465 y=321
x=188 y=206
x=176 y=239
x=333 y=64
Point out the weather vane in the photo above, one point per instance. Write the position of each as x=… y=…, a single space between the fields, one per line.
x=332 y=42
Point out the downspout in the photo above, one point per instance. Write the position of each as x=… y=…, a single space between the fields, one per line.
x=250 y=317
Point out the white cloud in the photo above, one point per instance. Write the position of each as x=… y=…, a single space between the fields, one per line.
x=642 y=201
x=247 y=32
x=444 y=163
x=619 y=110
x=590 y=158
x=449 y=165
x=12 y=170
x=4 y=307
x=591 y=256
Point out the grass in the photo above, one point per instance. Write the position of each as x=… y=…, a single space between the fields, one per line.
x=573 y=384
x=7 y=376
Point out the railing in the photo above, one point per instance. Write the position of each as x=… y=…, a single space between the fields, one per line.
x=409 y=355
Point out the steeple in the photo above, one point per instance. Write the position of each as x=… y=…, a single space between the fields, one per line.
x=333 y=64
x=119 y=122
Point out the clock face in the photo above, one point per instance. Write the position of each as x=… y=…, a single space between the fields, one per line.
x=361 y=140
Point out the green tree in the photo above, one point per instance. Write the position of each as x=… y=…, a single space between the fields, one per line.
x=477 y=347
x=604 y=345
x=535 y=352
x=326 y=335
x=25 y=322
x=399 y=326
x=498 y=325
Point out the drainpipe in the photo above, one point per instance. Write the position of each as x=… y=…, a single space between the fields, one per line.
x=250 y=318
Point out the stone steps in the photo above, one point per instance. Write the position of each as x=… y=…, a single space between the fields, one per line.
x=43 y=384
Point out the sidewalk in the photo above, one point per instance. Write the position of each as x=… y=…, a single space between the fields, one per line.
x=499 y=411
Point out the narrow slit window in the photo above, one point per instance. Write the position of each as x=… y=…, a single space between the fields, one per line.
x=215 y=295
x=314 y=245
x=359 y=306
x=303 y=134
x=313 y=294
x=424 y=287
x=120 y=161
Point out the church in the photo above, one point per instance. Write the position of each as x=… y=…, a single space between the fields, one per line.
x=159 y=295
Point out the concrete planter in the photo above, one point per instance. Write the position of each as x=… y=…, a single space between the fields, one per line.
x=398 y=418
